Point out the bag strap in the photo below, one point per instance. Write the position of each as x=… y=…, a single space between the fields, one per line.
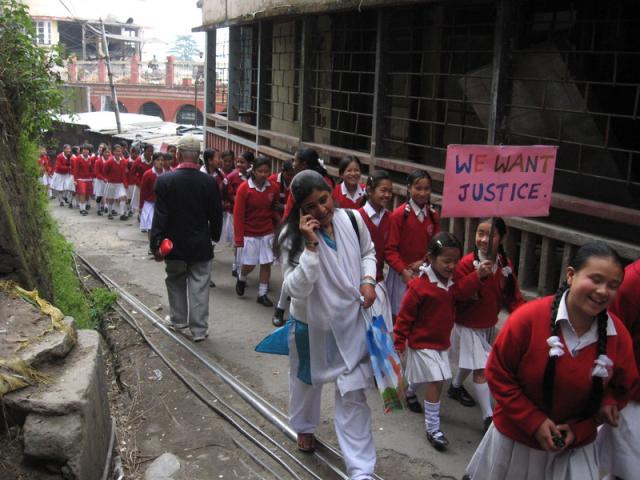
x=352 y=217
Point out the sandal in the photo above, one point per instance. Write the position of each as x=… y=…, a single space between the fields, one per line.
x=306 y=442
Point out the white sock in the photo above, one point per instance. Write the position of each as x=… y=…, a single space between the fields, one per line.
x=483 y=397
x=83 y=206
x=242 y=277
x=460 y=377
x=262 y=289
x=123 y=207
x=432 y=416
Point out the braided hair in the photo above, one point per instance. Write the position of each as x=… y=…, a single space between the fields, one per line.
x=584 y=253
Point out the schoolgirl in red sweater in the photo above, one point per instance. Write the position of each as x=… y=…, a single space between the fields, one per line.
x=254 y=218
x=282 y=180
x=99 y=182
x=147 y=192
x=350 y=192
x=412 y=226
x=234 y=180
x=62 y=181
x=619 y=447
x=115 y=174
x=83 y=175
x=376 y=216
x=476 y=318
x=559 y=366
x=425 y=322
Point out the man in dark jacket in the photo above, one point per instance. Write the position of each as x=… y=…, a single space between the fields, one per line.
x=188 y=211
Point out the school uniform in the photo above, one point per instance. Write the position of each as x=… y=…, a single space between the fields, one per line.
x=476 y=318
x=344 y=199
x=425 y=321
x=115 y=175
x=337 y=266
x=410 y=230
x=83 y=175
x=515 y=373
x=45 y=168
x=148 y=198
x=283 y=188
x=619 y=447
x=254 y=218
x=378 y=226
x=62 y=178
x=98 y=180
x=234 y=180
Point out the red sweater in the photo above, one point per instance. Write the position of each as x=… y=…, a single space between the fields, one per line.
x=63 y=164
x=115 y=172
x=408 y=238
x=138 y=169
x=147 y=185
x=427 y=312
x=379 y=234
x=253 y=213
x=627 y=306
x=515 y=372
x=284 y=192
x=343 y=201
x=482 y=310
x=82 y=169
x=234 y=180
x=45 y=164
x=98 y=168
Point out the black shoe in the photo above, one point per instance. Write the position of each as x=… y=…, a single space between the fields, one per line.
x=110 y=217
x=124 y=217
x=265 y=301
x=278 y=317
x=114 y=213
x=212 y=284
x=240 y=286
x=234 y=273
x=486 y=423
x=461 y=395
x=414 y=404
x=84 y=213
x=88 y=207
x=438 y=440
x=99 y=212
x=62 y=204
x=130 y=214
x=71 y=205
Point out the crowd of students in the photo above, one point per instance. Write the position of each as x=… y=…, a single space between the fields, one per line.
x=562 y=372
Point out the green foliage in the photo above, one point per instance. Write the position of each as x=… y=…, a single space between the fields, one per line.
x=68 y=295
x=185 y=48
x=28 y=73
x=102 y=299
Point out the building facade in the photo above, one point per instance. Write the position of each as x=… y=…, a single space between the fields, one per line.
x=394 y=83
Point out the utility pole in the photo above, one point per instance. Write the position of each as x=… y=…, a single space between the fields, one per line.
x=114 y=96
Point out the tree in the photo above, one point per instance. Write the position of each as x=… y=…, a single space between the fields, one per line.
x=185 y=48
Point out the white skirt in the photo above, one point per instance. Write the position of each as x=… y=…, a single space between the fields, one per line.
x=114 y=190
x=45 y=179
x=227 y=228
x=256 y=250
x=396 y=289
x=619 y=447
x=427 y=365
x=470 y=347
x=98 y=187
x=62 y=181
x=499 y=457
x=146 y=215
x=135 y=197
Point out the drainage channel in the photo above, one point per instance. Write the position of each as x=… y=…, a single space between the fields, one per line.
x=327 y=455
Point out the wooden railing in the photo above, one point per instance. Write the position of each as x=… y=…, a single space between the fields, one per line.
x=540 y=251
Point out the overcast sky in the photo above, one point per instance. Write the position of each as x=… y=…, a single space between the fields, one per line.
x=162 y=20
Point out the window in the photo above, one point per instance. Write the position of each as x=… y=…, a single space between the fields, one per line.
x=43 y=33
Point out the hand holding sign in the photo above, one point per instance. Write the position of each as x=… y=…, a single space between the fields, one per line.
x=490 y=180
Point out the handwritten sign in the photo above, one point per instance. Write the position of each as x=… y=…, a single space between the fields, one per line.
x=490 y=180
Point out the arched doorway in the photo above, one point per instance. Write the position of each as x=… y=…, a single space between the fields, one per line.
x=187 y=114
x=152 y=108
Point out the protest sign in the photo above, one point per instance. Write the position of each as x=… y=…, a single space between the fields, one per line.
x=498 y=180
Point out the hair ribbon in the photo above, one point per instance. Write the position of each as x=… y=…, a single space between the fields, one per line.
x=603 y=366
x=557 y=349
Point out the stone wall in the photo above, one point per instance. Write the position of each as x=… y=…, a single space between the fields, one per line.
x=22 y=213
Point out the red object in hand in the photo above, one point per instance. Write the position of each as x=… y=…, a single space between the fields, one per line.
x=165 y=247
